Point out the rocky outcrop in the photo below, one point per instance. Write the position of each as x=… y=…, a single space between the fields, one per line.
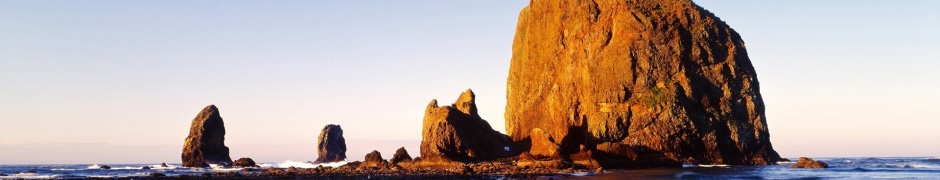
x=331 y=146
x=374 y=159
x=457 y=133
x=401 y=155
x=244 y=162
x=206 y=141
x=638 y=83
x=806 y=162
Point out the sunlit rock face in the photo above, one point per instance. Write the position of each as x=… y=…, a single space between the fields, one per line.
x=456 y=133
x=206 y=141
x=639 y=83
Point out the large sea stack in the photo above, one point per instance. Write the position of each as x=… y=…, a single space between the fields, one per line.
x=456 y=133
x=206 y=141
x=637 y=83
x=331 y=146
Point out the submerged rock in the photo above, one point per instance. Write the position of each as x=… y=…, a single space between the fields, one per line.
x=457 y=133
x=100 y=167
x=331 y=146
x=806 y=162
x=640 y=83
x=145 y=167
x=206 y=141
x=244 y=162
x=401 y=155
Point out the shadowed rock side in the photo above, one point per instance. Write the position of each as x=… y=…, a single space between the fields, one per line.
x=401 y=155
x=244 y=162
x=456 y=133
x=206 y=141
x=331 y=146
x=638 y=83
x=374 y=159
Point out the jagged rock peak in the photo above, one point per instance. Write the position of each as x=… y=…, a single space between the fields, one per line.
x=457 y=133
x=205 y=143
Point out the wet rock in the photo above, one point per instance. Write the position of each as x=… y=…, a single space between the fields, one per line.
x=331 y=146
x=155 y=174
x=163 y=165
x=401 y=155
x=206 y=141
x=100 y=167
x=457 y=133
x=244 y=162
x=1 y=174
x=806 y=162
x=145 y=167
x=643 y=83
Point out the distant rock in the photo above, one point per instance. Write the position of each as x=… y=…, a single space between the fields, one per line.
x=457 y=133
x=642 y=83
x=331 y=146
x=401 y=155
x=206 y=141
x=806 y=162
x=104 y=167
x=145 y=167
x=244 y=162
x=163 y=165
x=373 y=159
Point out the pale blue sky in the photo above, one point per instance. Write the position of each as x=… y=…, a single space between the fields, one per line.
x=120 y=81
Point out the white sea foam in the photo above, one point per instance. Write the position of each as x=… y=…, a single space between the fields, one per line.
x=703 y=165
x=296 y=164
x=93 y=166
x=582 y=174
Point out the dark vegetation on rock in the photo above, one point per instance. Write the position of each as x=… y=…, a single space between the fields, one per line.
x=331 y=146
x=206 y=141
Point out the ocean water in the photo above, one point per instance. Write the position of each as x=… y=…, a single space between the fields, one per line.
x=67 y=171
x=840 y=168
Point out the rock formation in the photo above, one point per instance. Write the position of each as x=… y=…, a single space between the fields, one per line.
x=638 y=83
x=244 y=162
x=401 y=155
x=331 y=146
x=206 y=141
x=374 y=159
x=806 y=162
x=457 y=133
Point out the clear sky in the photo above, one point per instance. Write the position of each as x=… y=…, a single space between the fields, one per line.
x=120 y=81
